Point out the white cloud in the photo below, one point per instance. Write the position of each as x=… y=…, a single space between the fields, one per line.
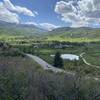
x=63 y=7
x=31 y=23
x=90 y=8
x=80 y=24
x=79 y=12
x=6 y=15
x=9 y=12
x=23 y=10
x=18 y=9
x=48 y=26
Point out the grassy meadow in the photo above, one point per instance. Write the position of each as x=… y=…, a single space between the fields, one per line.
x=64 y=39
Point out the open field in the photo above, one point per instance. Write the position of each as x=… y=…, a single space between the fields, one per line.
x=28 y=40
x=64 y=39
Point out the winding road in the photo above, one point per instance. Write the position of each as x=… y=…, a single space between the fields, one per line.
x=47 y=66
x=89 y=64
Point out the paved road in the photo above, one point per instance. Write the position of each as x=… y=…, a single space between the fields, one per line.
x=89 y=64
x=47 y=66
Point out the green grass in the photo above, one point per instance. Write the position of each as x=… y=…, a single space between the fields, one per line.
x=74 y=35
x=79 y=40
x=93 y=58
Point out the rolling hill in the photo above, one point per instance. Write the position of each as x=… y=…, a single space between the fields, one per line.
x=68 y=33
x=59 y=34
x=76 y=32
x=19 y=29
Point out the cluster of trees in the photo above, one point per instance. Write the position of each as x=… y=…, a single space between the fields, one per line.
x=42 y=85
x=7 y=50
x=12 y=85
x=25 y=48
x=58 y=61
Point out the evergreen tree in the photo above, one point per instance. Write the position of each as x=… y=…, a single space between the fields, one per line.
x=58 y=61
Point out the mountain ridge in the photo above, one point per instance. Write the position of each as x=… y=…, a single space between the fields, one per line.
x=63 y=32
x=19 y=29
x=69 y=32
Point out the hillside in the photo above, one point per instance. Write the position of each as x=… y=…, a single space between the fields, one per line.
x=83 y=34
x=66 y=33
x=76 y=32
x=19 y=29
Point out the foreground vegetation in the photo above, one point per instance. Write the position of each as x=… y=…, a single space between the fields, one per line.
x=23 y=79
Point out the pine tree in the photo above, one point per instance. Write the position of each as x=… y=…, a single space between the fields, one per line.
x=58 y=61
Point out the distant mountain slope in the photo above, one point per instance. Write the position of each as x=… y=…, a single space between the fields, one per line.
x=63 y=33
x=19 y=29
x=83 y=32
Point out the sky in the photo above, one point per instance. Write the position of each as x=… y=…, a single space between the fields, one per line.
x=50 y=14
